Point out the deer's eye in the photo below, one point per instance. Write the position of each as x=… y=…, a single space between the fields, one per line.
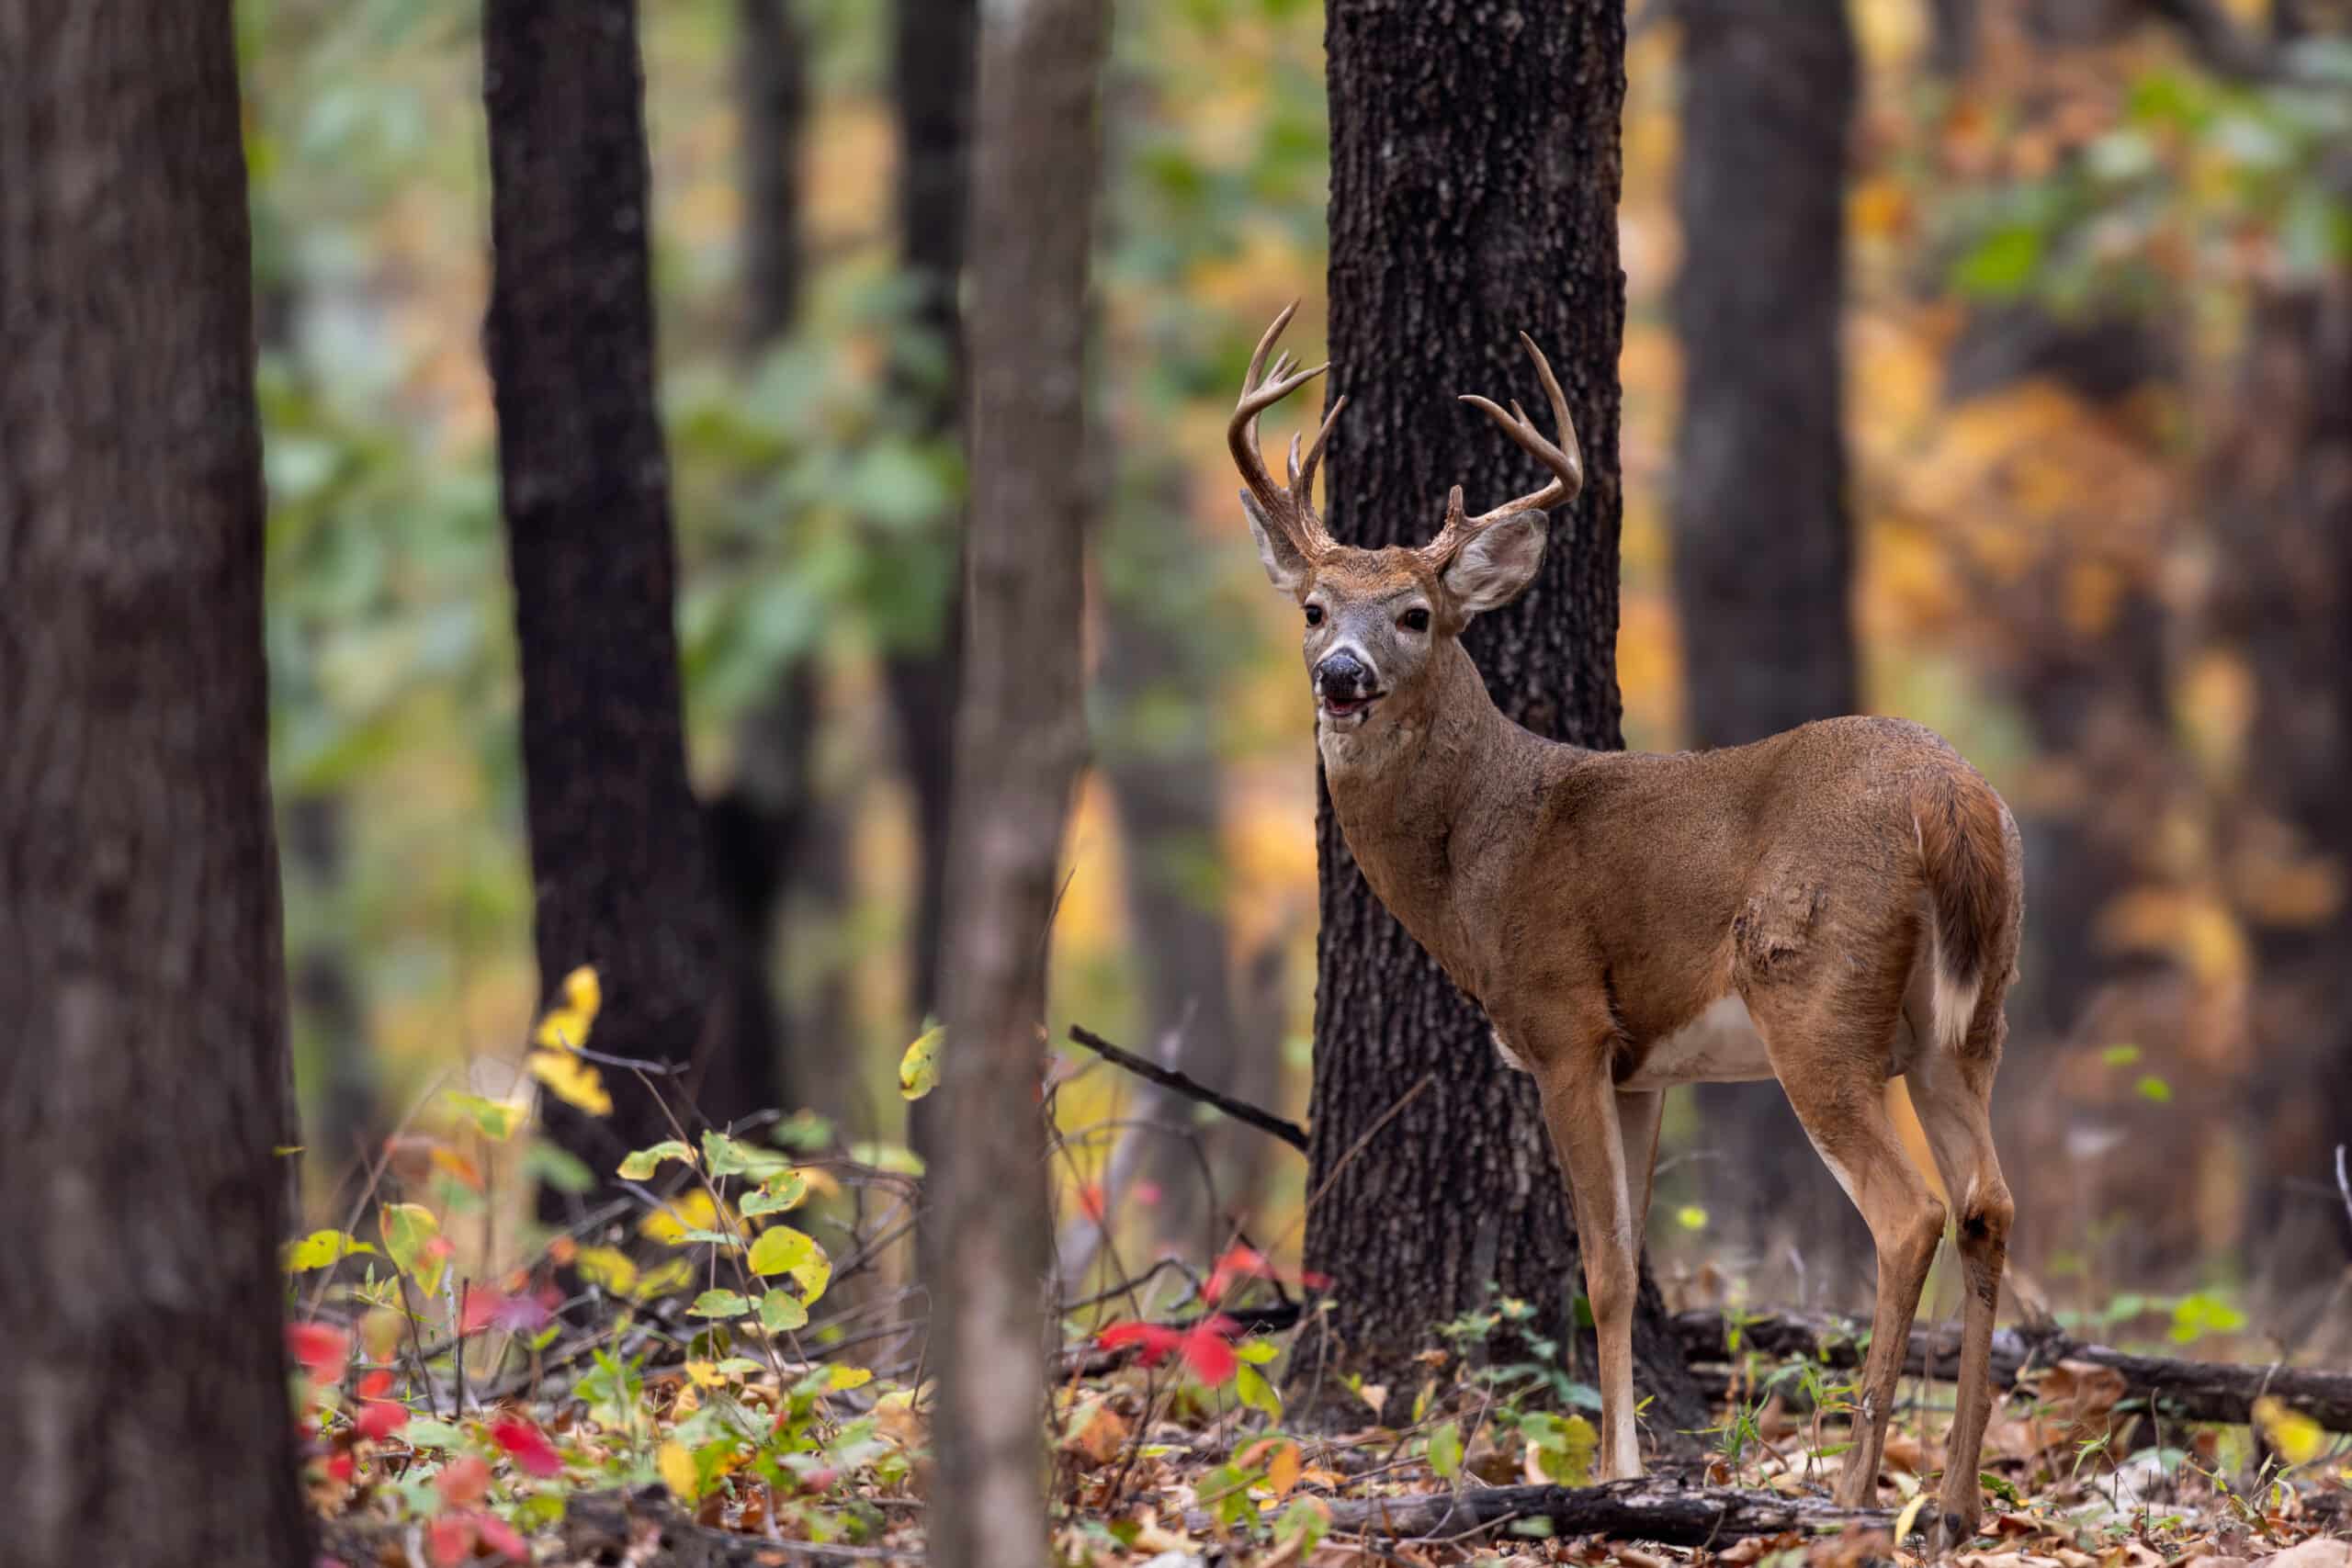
x=1414 y=620
x=1315 y=614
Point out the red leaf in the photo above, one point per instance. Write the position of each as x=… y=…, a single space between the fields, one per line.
x=1144 y=1193
x=1208 y=1352
x=495 y=1309
x=464 y=1479
x=502 y=1536
x=1155 y=1340
x=379 y=1418
x=321 y=1348
x=339 y=1465
x=376 y=1384
x=1091 y=1203
x=528 y=1445
x=1238 y=1263
x=449 y=1539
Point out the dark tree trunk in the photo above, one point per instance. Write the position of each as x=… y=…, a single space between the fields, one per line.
x=1763 y=540
x=756 y=830
x=932 y=82
x=1159 y=761
x=2281 y=487
x=1475 y=175
x=1021 y=739
x=328 y=1007
x=144 y=1082
x=617 y=853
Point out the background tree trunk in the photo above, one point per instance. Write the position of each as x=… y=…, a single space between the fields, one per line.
x=2281 y=487
x=616 y=853
x=1763 y=541
x=141 y=967
x=932 y=69
x=1475 y=174
x=1160 y=764
x=1020 y=736
x=756 y=830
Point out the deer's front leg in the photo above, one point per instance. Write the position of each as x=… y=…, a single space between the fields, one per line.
x=1580 y=1107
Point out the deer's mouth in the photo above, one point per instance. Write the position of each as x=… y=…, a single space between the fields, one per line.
x=1349 y=710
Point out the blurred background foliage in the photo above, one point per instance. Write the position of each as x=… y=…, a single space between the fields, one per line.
x=2066 y=244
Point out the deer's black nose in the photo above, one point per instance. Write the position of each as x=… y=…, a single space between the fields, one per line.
x=1342 y=674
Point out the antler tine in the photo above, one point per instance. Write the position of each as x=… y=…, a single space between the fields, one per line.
x=1567 y=466
x=1260 y=390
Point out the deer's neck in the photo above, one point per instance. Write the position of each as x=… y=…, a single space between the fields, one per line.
x=1439 y=786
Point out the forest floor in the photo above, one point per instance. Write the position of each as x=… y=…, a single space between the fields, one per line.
x=647 y=1435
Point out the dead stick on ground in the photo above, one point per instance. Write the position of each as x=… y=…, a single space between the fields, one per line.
x=1653 y=1509
x=1168 y=1078
x=2196 y=1391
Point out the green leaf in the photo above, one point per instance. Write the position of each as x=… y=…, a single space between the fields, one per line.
x=2151 y=1087
x=1250 y=1387
x=560 y=1170
x=410 y=1231
x=493 y=1119
x=726 y=1156
x=2002 y=263
x=778 y=1194
x=779 y=1312
x=1445 y=1451
x=1691 y=1217
x=783 y=1250
x=918 y=1068
x=716 y=1238
x=719 y=1304
x=2119 y=1055
x=642 y=1163
x=1257 y=1352
x=320 y=1249
x=423 y=1432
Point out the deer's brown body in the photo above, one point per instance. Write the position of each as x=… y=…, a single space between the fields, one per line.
x=1833 y=906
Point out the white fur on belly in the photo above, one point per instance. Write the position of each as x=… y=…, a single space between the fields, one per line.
x=1720 y=1045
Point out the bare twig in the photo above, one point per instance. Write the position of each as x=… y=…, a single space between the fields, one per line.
x=1168 y=1078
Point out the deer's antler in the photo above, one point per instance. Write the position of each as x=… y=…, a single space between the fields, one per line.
x=1565 y=461
x=1261 y=388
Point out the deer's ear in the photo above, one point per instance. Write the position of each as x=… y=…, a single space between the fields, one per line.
x=1286 y=569
x=1499 y=560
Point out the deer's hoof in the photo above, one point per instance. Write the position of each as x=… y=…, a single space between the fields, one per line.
x=1951 y=1532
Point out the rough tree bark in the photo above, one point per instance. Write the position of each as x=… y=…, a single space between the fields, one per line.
x=931 y=95
x=617 y=853
x=142 y=969
x=1475 y=177
x=1763 y=540
x=1021 y=735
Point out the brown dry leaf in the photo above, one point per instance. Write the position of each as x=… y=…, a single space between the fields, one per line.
x=1902 y=1453
x=2312 y=1554
x=1632 y=1557
x=1283 y=1469
x=1375 y=1395
x=1096 y=1433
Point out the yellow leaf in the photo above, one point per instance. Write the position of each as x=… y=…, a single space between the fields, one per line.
x=572 y=1081
x=688 y=1211
x=918 y=1068
x=677 y=1467
x=706 y=1375
x=2296 y=1437
x=566 y=1025
x=609 y=1266
x=783 y=1250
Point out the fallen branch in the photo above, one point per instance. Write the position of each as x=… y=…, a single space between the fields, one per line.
x=2191 y=1391
x=647 y=1529
x=1655 y=1508
x=1168 y=1078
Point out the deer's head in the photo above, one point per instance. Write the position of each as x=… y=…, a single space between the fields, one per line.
x=1377 y=619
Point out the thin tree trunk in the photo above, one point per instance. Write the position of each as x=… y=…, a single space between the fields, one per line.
x=142 y=971
x=1475 y=174
x=1763 y=541
x=931 y=68
x=327 y=1005
x=617 y=853
x=755 y=831
x=1021 y=738
x=1161 y=762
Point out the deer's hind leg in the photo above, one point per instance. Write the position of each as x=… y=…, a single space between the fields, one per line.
x=1830 y=1049
x=1952 y=1089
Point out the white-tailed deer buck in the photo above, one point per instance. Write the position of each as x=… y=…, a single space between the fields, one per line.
x=1833 y=906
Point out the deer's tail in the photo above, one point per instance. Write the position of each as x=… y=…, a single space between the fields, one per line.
x=1969 y=848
